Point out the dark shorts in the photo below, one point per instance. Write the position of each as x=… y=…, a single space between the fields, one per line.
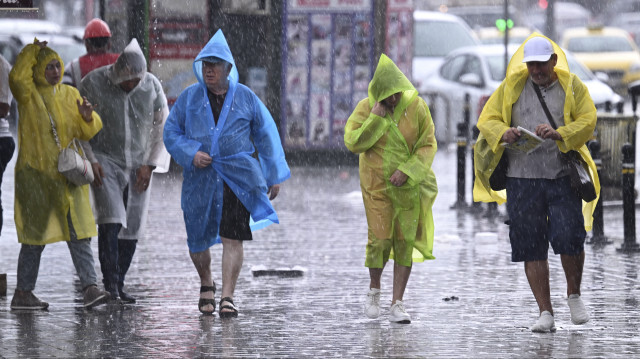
x=543 y=211
x=235 y=218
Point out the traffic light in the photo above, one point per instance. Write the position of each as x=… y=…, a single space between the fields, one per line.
x=503 y=25
x=543 y=4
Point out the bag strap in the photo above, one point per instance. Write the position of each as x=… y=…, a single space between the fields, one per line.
x=544 y=106
x=53 y=125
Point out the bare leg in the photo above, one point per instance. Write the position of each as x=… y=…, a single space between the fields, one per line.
x=375 y=274
x=202 y=262
x=400 y=278
x=232 y=257
x=538 y=275
x=573 y=266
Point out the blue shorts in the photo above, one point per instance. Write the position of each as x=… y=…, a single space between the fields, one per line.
x=543 y=211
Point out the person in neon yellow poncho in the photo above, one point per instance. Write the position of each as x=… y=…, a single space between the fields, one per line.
x=542 y=207
x=393 y=132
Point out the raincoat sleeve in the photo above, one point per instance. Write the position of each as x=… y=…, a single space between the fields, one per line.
x=418 y=166
x=267 y=141
x=492 y=124
x=85 y=130
x=21 y=75
x=364 y=129
x=157 y=154
x=181 y=148
x=583 y=115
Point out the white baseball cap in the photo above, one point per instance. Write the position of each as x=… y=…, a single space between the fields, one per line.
x=537 y=49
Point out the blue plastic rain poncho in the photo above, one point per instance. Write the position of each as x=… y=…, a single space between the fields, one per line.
x=244 y=122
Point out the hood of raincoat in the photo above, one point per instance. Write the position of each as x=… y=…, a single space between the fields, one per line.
x=131 y=64
x=216 y=47
x=387 y=80
x=45 y=55
x=517 y=69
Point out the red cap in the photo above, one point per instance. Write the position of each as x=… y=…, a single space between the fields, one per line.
x=96 y=28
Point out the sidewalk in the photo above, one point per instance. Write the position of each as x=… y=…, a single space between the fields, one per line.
x=318 y=315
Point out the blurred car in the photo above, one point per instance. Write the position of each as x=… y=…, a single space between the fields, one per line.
x=491 y=35
x=630 y=21
x=477 y=72
x=566 y=15
x=606 y=49
x=25 y=30
x=435 y=34
x=10 y=46
x=483 y=16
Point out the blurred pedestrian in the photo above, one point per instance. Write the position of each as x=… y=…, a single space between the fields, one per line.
x=7 y=144
x=97 y=41
x=393 y=132
x=49 y=208
x=133 y=109
x=213 y=131
x=542 y=206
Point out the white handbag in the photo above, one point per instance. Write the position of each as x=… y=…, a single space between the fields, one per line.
x=75 y=167
x=71 y=164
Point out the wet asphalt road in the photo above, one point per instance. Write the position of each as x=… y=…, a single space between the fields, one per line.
x=470 y=302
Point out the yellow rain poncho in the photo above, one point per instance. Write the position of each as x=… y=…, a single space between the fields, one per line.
x=399 y=218
x=43 y=197
x=579 y=118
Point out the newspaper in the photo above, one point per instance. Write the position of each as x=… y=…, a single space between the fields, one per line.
x=527 y=143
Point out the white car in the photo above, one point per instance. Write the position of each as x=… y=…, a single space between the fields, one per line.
x=435 y=34
x=477 y=71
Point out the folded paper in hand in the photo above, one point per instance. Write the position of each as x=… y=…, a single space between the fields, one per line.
x=527 y=143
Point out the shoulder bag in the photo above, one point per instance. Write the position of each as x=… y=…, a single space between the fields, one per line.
x=581 y=181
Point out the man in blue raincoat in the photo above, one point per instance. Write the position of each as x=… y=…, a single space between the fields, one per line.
x=213 y=130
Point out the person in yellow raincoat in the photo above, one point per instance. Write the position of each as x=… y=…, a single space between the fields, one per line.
x=542 y=207
x=393 y=132
x=48 y=208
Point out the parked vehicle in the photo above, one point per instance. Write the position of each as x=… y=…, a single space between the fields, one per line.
x=435 y=34
x=606 y=49
x=491 y=35
x=25 y=30
x=477 y=71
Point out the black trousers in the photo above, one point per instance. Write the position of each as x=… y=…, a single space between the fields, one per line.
x=7 y=147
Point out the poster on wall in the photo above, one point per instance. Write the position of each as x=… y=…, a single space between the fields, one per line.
x=329 y=48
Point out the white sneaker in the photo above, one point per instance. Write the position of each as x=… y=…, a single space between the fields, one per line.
x=579 y=314
x=397 y=313
x=372 y=305
x=545 y=323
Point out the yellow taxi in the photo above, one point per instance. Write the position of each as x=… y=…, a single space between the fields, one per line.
x=605 y=49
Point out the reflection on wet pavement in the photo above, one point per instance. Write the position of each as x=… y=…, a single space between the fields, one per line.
x=323 y=230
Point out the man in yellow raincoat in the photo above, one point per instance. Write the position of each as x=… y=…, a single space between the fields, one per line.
x=393 y=132
x=48 y=208
x=542 y=206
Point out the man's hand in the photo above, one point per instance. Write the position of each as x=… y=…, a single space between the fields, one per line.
x=273 y=191
x=511 y=136
x=546 y=131
x=379 y=109
x=201 y=159
x=98 y=174
x=86 y=109
x=143 y=177
x=398 y=178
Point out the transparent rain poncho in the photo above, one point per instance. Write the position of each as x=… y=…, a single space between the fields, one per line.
x=400 y=219
x=244 y=126
x=138 y=116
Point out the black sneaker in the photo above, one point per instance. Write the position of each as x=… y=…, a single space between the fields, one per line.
x=27 y=301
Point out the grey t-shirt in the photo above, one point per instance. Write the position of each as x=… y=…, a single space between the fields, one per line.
x=527 y=112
